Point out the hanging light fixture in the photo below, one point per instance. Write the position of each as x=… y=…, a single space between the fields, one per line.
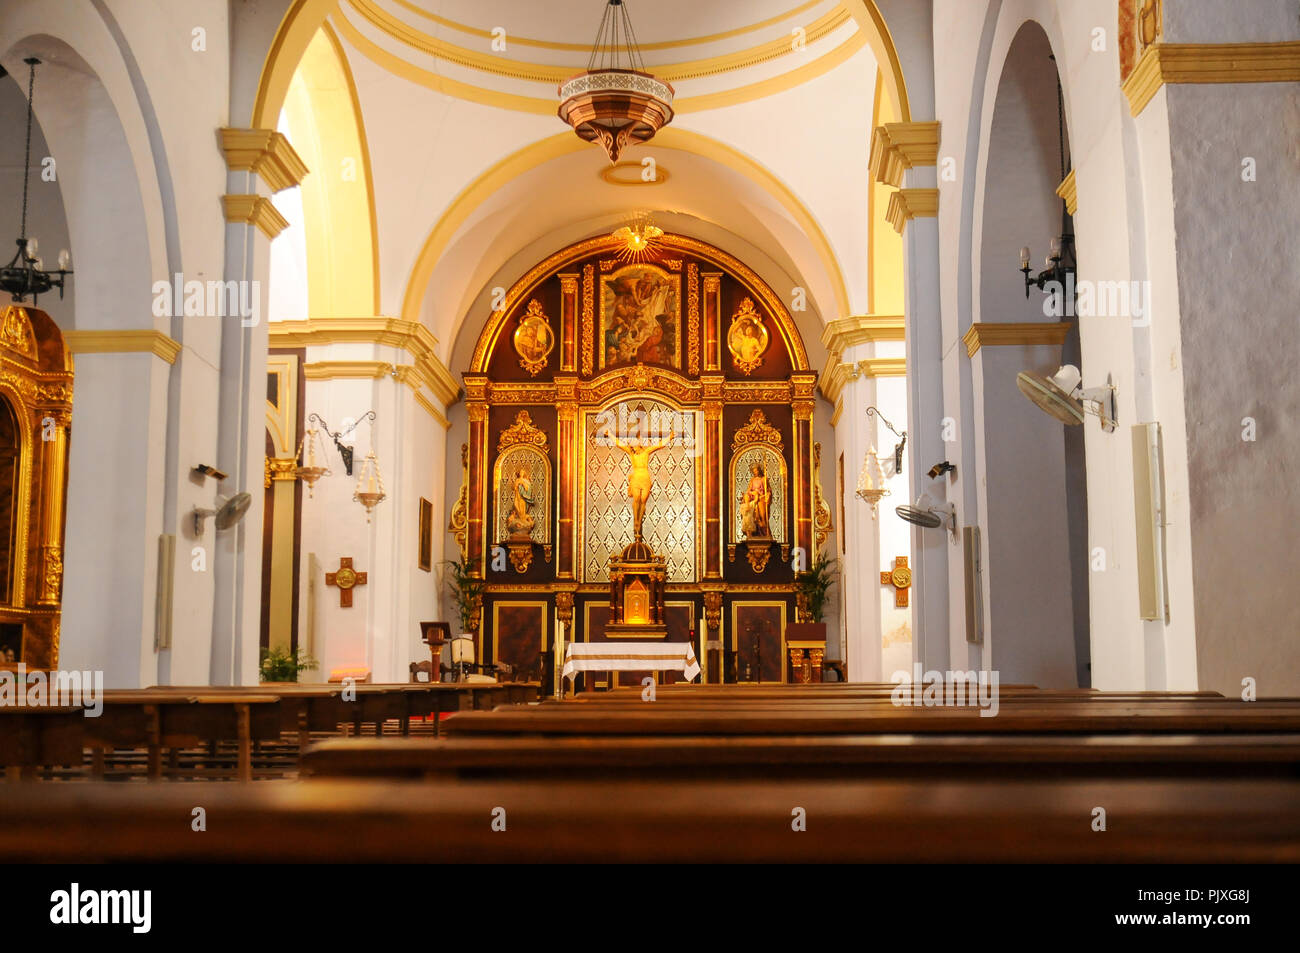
x=309 y=471
x=612 y=103
x=25 y=274
x=370 y=485
x=1060 y=264
x=871 y=481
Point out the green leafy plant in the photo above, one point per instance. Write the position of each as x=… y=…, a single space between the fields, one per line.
x=811 y=587
x=464 y=589
x=279 y=665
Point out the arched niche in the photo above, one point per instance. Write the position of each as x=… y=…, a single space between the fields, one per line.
x=1033 y=490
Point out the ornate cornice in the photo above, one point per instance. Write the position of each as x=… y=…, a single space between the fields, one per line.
x=334 y=370
x=844 y=333
x=1066 y=190
x=255 y=210
x=1015 y=333
x=898 y=146
x=907 y=204
x=836 y=374
x=264 y=152
x=409 y=336
x=883 y=367
x=123 y=342
x=1163 y=63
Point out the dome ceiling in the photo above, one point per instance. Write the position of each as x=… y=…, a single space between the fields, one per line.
x=698 y=47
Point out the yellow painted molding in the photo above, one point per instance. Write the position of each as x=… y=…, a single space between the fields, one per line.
x=255 y=210
x=1066 y=190
x=844 y=333
x=410 y=336
x=898 y=146
x=907 y=204
x=871 y=22
x=299 y=25
x=1015 y=333
x=123 y=342
x=883 y=367
x=839 y=409
x=335 y=370
x=1162 y=63
x=429 y=406
x=585 y=48
x=264 y=152
x=546 y=106
x=835 y=375
x=516 y=69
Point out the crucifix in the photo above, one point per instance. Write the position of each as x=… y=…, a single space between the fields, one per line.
x=345 y=578
x=901 y=579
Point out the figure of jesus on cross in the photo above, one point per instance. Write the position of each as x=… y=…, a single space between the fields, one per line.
x=639 y=482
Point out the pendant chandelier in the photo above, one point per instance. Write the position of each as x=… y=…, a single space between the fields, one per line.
x=615 y=101
x=25 y=274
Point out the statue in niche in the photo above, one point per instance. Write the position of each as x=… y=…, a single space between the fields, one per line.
x=519 y=522
x=756 y=504
x=639 y=481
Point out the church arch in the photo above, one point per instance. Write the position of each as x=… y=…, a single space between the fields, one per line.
x=1032 y=496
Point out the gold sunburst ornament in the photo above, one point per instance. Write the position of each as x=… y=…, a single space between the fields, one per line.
x=614 y=101
x=639 y=240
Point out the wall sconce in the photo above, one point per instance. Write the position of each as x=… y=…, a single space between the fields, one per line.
x=344 y=450
x=370 y=483
x=871 y=481
x=1060 y=263
x=898 y=448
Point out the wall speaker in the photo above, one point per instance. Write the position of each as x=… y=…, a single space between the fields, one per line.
x=162 y=622
x=1149 y=510
x=972 y=565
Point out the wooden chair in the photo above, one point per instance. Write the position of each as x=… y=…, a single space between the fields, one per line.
x=419 y=668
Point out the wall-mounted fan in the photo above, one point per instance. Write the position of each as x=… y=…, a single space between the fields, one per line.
x=926 y=513
x=1063 y=396
x=227 y=514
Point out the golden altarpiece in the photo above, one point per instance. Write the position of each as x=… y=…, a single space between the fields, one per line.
x=680 y=361
x=35 y=415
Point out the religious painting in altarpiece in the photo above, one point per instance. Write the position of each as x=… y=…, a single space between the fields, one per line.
x=593 y=360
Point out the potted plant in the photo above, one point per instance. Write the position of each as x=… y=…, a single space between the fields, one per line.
x=281 y=666
x=466 y=593
x=811 y=588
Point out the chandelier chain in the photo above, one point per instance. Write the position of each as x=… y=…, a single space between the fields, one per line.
x=27 y=157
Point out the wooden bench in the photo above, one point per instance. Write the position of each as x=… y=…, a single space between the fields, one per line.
x=33 y=737
x=872 y=716
x=668 y=821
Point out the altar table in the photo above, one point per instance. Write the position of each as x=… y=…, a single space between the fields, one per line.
x=631 y=657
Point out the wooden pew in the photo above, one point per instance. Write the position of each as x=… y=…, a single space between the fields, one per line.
x=36 y=737
x=671 y=821
x=868 y=716
x=812 y=757
x=158 y=718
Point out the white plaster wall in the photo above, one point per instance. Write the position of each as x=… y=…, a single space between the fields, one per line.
x=1120 y=228
x=1239 y=354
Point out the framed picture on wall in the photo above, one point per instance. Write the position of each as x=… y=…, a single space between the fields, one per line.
x=426 y=535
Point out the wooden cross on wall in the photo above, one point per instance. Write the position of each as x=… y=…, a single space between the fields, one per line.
x=345 y=578
x=901 y=579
